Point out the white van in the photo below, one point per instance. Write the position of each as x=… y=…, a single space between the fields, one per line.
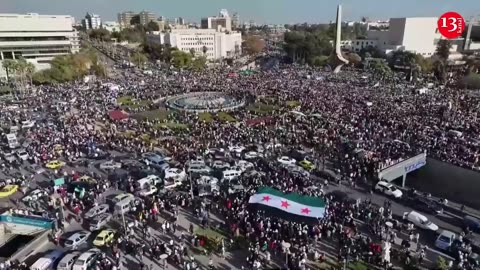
x=47 y=261
x=421 y=221
x=12 y=141
x=231 y=174
x=123 y=206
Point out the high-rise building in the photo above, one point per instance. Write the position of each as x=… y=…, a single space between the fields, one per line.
x=124 y=18
x=223 y=22
x=146 y=17
x=235 y=20
x=37 y=38
x=92 y=21
x=181 y=21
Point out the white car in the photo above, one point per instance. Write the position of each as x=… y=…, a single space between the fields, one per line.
x=272 y=146
x=28 y=124
x=100 y=221
x=149 y=190
x=110 y=165
x=87 y=259
x=420 y=221
x=37 y=169
x=35 y=195
x=251 y=155
x=22 y=154
x=174 y=173
x=236 y=149
x=220 y=165
x=245 y=165
x=76 y=239
x=388 y=189
x=445 y=240
x=286 y=160
x=97 y=210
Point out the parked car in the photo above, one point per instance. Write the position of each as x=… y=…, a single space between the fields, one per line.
x=420 y=221
x=100 y=221
x=472 y=223
x=307 y=165
x=22 y=154
x=388 y=189
x=286 y=160
x=103 y=238
x=68 y=260
x=445 y=240
x=76 y=239
x=174 y=173
x=252 y=155
x=199 y=169
x=35 y=195
x=110 y=165
x=424 y=204
x=220 y=165
x=96 y=210
x=87 y=259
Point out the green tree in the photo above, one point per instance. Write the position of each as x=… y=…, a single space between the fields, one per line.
x=442 y=264
x=253 y=45
x=471 y=81
x=443 y=49
x=303 y=46
x=425 y=64
x=440 y=70
x=10 y=67
x=199 y=63
x=138 y=59
x=192 y=52
x=354 y=59
x=204 y=50
x=100 y=34
x=320 y=61
x=135 y=20
x=152 y=26
x=181 y=59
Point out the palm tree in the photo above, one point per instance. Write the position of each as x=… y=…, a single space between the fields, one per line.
x=204 y=49
x=139 y=59
x=10 y=66
x=192 y=52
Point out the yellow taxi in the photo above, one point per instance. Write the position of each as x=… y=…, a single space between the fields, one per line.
x=103 y=238
x=307 y=165
x=8 y=190
x=55 y=164
x=87 y=179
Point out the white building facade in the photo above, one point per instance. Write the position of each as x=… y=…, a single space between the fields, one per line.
x=37 y=38
x=218 y=44
x=111 y=26
x=417 y=35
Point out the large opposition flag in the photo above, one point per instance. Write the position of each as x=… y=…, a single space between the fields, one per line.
x=292 y=204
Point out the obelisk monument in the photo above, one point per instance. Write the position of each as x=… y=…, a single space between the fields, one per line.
x=338 y=38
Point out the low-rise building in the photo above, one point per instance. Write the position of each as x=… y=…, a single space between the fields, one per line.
x=111 y=26
x=37 y=38
x=218 y=44
x=417 y=35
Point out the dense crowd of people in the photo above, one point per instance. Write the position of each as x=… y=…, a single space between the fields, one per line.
x=342 y=118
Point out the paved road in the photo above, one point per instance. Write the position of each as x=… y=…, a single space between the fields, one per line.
x=447 y=220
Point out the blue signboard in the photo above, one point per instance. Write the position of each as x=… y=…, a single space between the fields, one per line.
x=413 y=167
x=28 y=220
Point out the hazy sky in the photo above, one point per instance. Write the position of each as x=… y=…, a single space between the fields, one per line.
x=261 y=11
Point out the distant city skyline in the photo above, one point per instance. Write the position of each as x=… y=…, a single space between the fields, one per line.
x=260 y=11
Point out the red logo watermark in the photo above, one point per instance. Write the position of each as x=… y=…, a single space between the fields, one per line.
x=451 y=25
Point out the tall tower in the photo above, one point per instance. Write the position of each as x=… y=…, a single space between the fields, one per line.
x=338 y=37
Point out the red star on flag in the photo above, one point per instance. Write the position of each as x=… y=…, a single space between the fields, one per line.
x=285 y=204
x=266 y=198
x=306 y=211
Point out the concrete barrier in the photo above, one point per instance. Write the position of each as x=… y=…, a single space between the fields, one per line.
x=23 y=253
